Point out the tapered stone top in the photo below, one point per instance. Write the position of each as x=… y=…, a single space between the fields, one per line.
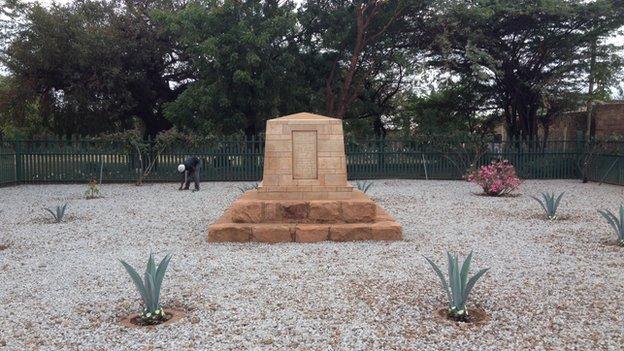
x=304 y=116
x=304 y=158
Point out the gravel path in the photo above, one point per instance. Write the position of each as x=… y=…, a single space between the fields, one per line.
x=552 y=285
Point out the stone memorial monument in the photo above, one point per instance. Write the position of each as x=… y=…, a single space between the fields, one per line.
x=304 y=195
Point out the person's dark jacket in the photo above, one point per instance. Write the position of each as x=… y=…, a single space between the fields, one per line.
x=191 y=163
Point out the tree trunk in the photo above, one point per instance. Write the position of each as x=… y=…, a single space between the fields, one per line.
x=379 y=128
x=590 y=91
x=250 y=127
x=338 y=106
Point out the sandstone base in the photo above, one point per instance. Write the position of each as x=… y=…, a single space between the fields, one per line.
x=254 y=218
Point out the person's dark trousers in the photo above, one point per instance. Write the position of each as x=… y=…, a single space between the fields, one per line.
x=195 y=176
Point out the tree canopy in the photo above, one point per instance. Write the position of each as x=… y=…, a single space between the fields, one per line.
x=521 y=52
x=223 y=67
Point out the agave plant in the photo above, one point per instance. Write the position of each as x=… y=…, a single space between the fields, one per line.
x=616 y=224
x=550 y=204
x=58 y=213
x=243 y=188
x=458 y=286
x=363 y=185
x=149 y=288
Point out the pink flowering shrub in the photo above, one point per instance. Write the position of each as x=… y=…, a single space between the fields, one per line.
x=496 y=179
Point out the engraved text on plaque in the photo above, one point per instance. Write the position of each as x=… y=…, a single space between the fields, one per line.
x=304 y=154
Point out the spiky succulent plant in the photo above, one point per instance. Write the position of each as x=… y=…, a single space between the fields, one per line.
x=363 y=185
x=58 y=213
x=458 y=286
x=149 y=288
x=550 y=204
x=616 y=223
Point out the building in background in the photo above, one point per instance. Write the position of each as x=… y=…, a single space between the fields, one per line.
x=607 y=121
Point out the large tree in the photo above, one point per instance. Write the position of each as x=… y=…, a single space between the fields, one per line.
x=244 y=65
x=521 y=49
x=92 y=67
x=366 y=49
x=453 y=108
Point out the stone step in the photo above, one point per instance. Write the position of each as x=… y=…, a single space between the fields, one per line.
x=251 y=209
x=303 y=233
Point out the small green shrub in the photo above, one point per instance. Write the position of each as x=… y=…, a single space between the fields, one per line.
x=149 y=288
x=458 y=286
x=616 y=223
x=93 y=191
x=550 y=204
x=245 y=187
x=363 y=185
x=58 y=213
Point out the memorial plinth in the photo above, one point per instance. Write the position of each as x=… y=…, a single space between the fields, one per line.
x=304 y=195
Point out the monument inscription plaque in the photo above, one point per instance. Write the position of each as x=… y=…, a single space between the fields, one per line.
x=304 y=154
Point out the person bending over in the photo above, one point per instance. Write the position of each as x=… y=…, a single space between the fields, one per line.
x=190 y=170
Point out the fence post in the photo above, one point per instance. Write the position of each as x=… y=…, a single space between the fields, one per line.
x=18 y=161
x=381 y=159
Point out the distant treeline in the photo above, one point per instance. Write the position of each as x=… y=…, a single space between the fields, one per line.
x=224 y=67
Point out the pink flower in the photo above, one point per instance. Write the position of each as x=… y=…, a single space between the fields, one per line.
x=497 y=178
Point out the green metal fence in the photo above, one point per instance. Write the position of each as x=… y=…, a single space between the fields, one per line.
x=423 y=160
x=79 y=161
x=8 y=173
x=28 y=161
x=607 y=169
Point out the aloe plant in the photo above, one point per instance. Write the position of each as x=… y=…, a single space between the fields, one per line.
x=458 y=286
x=149 y=288
x=58 y=213
x=616 y=223
x=363 y=185
x=550 y=204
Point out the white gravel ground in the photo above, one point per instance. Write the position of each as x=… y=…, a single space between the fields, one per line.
x=552 y=285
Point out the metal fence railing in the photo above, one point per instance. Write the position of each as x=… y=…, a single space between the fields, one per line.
x=28 y=161
x=8 y=163
x=607 y=169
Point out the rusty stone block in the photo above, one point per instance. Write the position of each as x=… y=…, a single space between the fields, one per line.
x=229 y=232
x=247 y=212
x=325 y=212
x=358 y=211
x=271 y=233
x=350 y=232
x=311 y=233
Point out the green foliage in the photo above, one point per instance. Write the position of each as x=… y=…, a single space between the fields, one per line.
x=223 y=67
x=361 y=52
x=11 y=20
x=246 y=187
x=58 y=213
x=525 y=54
x=245 y=63
x=550 y=204
x=91 y=67
x=458 y=286
x=148 y=151
x=454 y=108
x=616 y=223
x=363 y=185
x=149 y=288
